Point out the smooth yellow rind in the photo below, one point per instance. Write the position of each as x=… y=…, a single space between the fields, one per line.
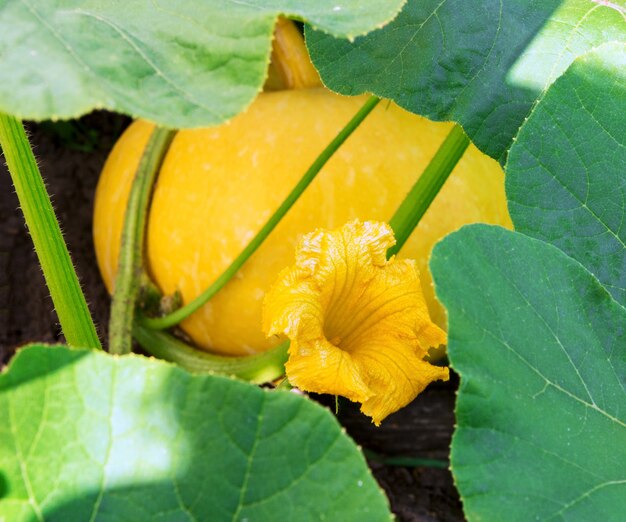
x=218 y=186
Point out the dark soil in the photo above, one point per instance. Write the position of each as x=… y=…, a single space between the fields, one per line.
x=70 y=156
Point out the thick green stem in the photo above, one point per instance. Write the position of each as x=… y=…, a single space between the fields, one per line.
x=261 y=368
x=427 y=187
x=130 y=262
x=159 y=323
x=44 y=229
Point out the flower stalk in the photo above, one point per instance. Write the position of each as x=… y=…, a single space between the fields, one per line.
x=415 y=205
x=408 y=462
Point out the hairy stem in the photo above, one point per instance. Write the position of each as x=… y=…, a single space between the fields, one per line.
x=54 y=258
x=130 y=262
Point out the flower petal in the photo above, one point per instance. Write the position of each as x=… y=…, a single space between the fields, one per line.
x=395 y=376
x=320 y=367
x=358 y=323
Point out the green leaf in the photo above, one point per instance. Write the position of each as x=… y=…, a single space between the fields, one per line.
x=482 y=63
x=541 y=411
x=566 y=175
x=87 y=436
x=180 y=64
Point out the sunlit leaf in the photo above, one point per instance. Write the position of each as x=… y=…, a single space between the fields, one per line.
x=180 y=64
x=541 y=349
x=482 y=63
x=87 y=436
x=566 y=174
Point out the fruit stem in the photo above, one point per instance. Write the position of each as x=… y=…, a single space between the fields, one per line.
x=167 y=321
x=130 y=262
x=290 y=65
x=258 y=369
x=416 y=203
x=54 y=258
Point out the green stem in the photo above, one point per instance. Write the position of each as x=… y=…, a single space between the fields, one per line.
x=284 y=385
x=130 y=265
x=427 y=187
x=44 y=229
x=408 y=462
x=159 y=323
x=258 y=369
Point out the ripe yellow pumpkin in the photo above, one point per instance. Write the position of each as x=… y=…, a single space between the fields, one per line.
x=218 y=186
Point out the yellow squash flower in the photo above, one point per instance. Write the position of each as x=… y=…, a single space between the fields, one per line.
x=358 y=323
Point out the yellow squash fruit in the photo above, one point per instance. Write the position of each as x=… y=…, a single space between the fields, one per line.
x=218 y=186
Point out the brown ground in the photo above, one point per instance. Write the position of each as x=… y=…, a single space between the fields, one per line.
x=71 y=157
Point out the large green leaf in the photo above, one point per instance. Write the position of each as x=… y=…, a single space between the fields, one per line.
x=87 y=436
x=186 y=63
x=541 y=349
x=481 y=63
x=566 y=174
